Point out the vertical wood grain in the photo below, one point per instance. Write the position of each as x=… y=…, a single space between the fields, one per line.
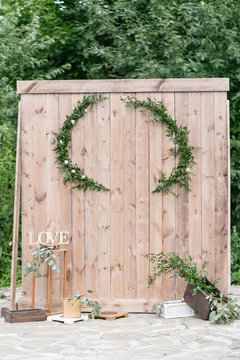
x=129 y=199
x=221 y=190
x=155 y=200
x=53 y=200
x=195 y=196
x=168 y=207
x=103 y=198
x=182 y=203
x=40 y=181
x=142 y=200
x=116 y=196
x=64 y=109
x=91 y=215
x=54 y=179
x=78 y=205
x=208 y=160
x=27 y=184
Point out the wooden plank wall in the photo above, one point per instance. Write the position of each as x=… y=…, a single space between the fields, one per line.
x=111 y=230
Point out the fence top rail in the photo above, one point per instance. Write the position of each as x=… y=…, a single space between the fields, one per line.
x=122 y=85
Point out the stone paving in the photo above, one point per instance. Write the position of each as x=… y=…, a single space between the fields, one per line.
x=139 y=337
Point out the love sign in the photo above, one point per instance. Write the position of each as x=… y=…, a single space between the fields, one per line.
x=49 y=238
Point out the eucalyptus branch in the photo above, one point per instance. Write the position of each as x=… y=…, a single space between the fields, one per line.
x=42 y=254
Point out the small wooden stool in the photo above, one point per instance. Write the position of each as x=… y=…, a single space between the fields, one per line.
x=51 y=279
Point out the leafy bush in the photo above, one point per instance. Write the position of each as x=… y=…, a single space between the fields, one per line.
x=7 y=169
x=224 y=310
x=235 y=257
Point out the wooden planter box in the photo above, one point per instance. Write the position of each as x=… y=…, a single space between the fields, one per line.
x=17 y=316
x=198 y=302
x=71 y=308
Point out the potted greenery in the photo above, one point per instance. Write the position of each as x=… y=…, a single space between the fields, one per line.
x=201 y=294
x=72 y=306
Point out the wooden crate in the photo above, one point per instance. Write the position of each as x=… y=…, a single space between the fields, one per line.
x=18 y=316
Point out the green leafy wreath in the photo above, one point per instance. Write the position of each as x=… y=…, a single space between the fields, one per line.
x=179 y=135
x=158 y=113
x=72 y=172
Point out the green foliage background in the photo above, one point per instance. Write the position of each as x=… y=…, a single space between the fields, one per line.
x=88 y=39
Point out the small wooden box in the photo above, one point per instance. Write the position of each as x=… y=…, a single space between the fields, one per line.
x=17 y=316
x=71 y=308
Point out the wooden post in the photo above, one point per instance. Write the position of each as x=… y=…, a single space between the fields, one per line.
x=33 y=290
x=16 y=217
x=65 y=275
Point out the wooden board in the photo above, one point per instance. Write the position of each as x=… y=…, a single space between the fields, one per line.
x=91 y=219
x=122 y=85
x=65 y=193
x=40 y=183
x=129 y=201
x=182 y=202
x=168 y=206
x=208 y=183
x=155 y=200
x=104 y=198
x=116 y=196
x=54 y=184
x=27 y=133
x=142 y=200
x=221 y=238
x=111 y=315
x=78 y=205
x=195 y=196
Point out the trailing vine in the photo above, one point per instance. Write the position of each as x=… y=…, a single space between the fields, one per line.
x=179 y=134
x=72 y=172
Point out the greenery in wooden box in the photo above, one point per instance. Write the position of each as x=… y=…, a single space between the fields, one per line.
x=223 y=309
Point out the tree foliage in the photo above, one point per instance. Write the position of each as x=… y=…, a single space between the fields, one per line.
x=86 y=39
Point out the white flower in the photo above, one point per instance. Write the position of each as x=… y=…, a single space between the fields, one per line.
x=61 y=141
x=73 y=171
x=73 y=121
x=85 y=110
x=66 y=162
x=83 y=177
x=187 y=170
